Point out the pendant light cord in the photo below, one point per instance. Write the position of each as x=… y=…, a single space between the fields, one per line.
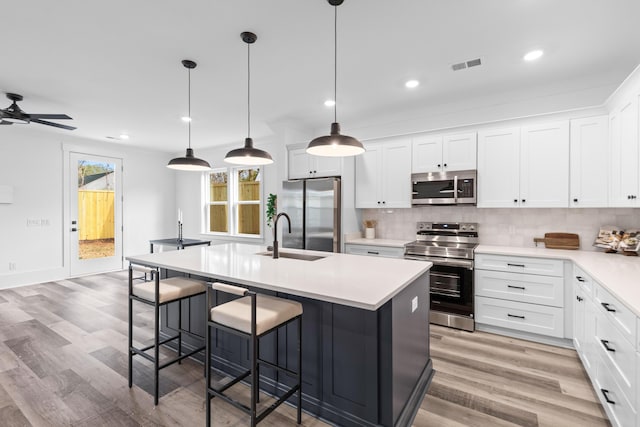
x=189 y=108
x=335 y=64
x=248 y=90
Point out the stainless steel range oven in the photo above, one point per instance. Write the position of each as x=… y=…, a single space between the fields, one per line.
x=449 y=246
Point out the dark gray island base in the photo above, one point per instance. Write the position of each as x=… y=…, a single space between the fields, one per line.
x=359 y=368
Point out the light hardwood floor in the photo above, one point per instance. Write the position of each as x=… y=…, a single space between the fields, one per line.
x=63 y=362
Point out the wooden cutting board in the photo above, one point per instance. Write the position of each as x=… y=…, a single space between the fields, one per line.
x=559 y=240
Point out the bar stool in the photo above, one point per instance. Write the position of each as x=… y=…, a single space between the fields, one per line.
x=252 y=316
x=158 y=293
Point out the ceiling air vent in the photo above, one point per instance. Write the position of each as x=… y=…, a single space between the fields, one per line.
x=474 y=63
x=466 y=64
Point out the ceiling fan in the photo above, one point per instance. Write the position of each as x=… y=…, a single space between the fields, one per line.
x=14 y=114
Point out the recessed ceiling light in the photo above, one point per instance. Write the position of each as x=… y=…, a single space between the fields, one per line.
x=186 y=119
x=412 y=84
x=329 y=103
x=533 y=55
x=124 y=136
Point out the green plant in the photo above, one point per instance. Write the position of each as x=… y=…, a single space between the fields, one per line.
x=272 y=208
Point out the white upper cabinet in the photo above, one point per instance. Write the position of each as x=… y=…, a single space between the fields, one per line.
x=589 y=162
x=304 y=165
x=544 y=166
x=459 y=152
x=524 y=167
x=427 y=154
x=498 y=168
x=383 y=174
x=623 y=130
x=438 y=153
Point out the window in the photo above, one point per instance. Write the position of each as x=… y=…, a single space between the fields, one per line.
x=234 y=201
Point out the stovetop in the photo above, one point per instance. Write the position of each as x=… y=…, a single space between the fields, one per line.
x=447 y=240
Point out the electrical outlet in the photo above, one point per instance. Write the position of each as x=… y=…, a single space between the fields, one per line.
x=414 y=304
x=12 y=266
x=45 y=222
x=33 y=222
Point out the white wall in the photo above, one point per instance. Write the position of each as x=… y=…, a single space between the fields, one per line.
x=31 y=160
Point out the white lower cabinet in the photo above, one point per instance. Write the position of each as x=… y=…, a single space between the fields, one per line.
x=605 y=339
x=620 y=410
x=520 y=293
x=372 y=250
x=533 y=318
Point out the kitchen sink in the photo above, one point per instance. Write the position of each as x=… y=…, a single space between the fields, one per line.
x=292 y=255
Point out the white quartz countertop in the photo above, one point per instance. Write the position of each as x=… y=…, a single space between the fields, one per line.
x=352 y=280
x=378 y=242
x=618 y=273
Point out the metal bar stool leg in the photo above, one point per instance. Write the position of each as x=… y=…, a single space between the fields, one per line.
x=254 y=363
x=299 y=369
x=156 y=350
x=180 y=330
x=129 y=351
x=207 y=361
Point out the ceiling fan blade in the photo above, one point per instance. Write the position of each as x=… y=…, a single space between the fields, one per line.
x=50 y=116
x=55 y=125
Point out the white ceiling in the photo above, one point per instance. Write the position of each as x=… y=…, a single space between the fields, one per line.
x=114 y=66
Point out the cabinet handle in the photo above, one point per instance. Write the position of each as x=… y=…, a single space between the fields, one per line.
x=524 y=200
x=384 y=203
x=515 y=200
x=315 y=171
x=575 y=200
x=438 y=164
x=445 y=165
x=580 y=299
x=605 y=344
x=605 y=393
x=515 y=315
x=515 y=265
x=378 y=202
x=516 y=287
x=373 y=252
x=606 y=307
x=580 y=279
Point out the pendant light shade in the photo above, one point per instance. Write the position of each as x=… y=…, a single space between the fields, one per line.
x=335 y=144
x=189 y=162
x=248 y=155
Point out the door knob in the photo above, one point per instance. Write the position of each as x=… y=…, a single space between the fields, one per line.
x=575 y=200
x=74 y=229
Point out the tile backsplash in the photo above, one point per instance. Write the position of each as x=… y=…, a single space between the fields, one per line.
x=505 y=227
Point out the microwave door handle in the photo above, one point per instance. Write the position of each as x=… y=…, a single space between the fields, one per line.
x=455 y=189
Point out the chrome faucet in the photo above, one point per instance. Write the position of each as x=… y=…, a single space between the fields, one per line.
x=275 y=233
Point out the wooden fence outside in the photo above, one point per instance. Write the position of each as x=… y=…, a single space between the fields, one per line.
x=248 y=215
x=96 y=214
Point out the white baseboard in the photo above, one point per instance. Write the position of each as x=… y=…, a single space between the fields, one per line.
x=32 y=277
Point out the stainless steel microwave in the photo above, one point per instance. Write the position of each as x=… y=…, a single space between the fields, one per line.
x=444 y=188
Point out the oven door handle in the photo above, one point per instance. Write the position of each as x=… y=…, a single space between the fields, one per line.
x=468 y=264
x=455 y=189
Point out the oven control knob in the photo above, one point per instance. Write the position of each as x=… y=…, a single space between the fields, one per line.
x=471 y=227
x=464 y=227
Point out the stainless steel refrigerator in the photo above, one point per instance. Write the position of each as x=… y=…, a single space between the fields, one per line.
x=315 y=209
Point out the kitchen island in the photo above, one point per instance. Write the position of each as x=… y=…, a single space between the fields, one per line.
x=365 y=326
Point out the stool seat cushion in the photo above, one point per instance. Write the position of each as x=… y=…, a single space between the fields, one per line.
x=270 y=312
x=170 y=289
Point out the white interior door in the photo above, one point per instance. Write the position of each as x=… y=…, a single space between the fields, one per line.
x=95 y=214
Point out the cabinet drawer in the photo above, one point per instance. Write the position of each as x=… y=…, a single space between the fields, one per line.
x=547 y=290
x=383 y=251
x=542 y=266
x=619 y=314
x=583 y=279
x=538 y=319
x=617 y=353
x=620 y=411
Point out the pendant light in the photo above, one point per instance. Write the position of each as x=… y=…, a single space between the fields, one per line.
x=248 y=155
x=189 y=162
x=334 y=144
